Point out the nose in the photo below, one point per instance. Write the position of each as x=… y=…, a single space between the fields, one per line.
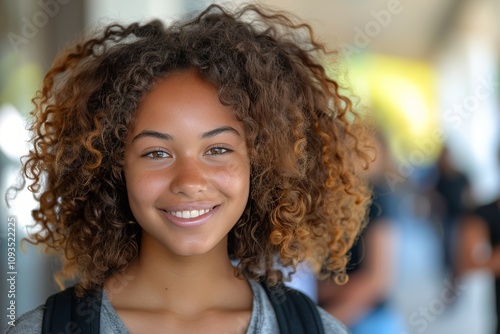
x=190 y=178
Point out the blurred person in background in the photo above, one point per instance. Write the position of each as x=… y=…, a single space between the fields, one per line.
x=362 y=303
x=453 y=191
x=479 y=244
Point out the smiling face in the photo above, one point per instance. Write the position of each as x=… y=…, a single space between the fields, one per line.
x=186 y=166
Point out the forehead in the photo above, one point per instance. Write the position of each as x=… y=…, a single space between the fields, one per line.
x=181 y=87
x=183 y=99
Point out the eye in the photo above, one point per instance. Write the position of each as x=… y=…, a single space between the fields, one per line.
x=156 y=155
x=218 y=150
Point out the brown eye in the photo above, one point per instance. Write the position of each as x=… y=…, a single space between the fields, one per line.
x=218 y=151
x=157 y=155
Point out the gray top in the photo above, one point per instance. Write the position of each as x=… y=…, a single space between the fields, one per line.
x=263 y=318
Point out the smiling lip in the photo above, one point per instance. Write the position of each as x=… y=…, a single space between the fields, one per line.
x=190 y=218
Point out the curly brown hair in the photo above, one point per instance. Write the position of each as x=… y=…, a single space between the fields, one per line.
x=306 y=201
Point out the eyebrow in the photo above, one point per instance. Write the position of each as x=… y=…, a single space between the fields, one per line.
x=222 y=129
x=154 y=134
x=166 y=136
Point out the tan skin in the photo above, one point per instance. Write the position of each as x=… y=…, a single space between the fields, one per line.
x=369 y=284
x=187 y=174
x=475 y=251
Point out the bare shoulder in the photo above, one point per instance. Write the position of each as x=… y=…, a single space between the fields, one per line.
x=29 y=323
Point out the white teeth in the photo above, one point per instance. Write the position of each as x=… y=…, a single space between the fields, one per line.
x=189 y=214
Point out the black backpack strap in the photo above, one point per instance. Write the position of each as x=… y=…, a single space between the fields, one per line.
x=295 y=312
x=66 y=313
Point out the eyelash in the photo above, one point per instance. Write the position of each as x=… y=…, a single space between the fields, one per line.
x=153 y=154
x=225 y=149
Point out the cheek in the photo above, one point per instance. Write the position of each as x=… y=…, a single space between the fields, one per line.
x=234 y=179
x=142 y=188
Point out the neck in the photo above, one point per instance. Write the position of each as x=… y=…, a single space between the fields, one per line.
x=190 y=284
x=163 y=269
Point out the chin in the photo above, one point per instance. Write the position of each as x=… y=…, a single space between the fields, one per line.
x=193 y=249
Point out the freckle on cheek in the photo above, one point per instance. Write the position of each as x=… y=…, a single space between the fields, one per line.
x=233 y=167
x=232 y=172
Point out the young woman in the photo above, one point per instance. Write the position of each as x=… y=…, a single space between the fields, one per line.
x=177 y=167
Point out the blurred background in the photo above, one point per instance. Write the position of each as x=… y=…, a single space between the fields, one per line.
x=428 y=73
